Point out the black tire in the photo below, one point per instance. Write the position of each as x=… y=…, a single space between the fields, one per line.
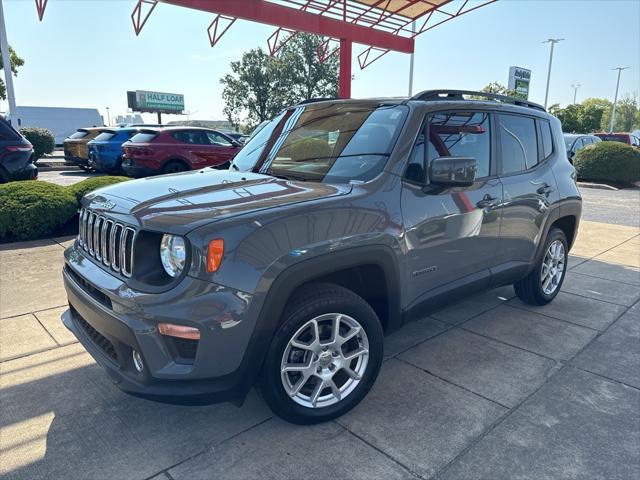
x=530 y=289
x=175 y=166
x=308 y=303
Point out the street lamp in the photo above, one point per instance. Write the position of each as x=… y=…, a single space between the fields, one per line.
x=108 y=118
x=575 y=91
x=552 y=41
x=615 y=100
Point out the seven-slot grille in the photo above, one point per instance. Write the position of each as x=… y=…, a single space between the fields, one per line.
x=107 y=241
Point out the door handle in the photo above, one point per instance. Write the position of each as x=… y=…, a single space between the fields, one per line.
x=488 y=202
x=545 y=188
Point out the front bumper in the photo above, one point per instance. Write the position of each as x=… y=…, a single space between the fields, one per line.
x=110 y=321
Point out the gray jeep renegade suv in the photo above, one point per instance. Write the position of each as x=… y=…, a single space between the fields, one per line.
x=339 y=221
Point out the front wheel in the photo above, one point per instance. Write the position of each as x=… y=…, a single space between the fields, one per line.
x=325 y=356
x=174 y=167
x=545 y=280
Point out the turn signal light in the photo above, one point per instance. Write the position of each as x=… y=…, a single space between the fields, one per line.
x=214 y=254
x=180 y=331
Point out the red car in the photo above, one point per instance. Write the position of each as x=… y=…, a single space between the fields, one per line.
x=177 y=149
x=627 y=138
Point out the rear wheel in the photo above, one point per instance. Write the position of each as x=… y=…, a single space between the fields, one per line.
x=175 y=166
x=545 y=280
x=325 y=356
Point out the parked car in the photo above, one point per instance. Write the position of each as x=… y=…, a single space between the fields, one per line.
x=627 y=138
x=105 y=151
x=338 y=222
x=16 y=155
x=76 y=151
x=177 y=149
x=574 y=142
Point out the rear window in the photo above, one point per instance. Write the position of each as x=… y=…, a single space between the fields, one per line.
x=143 y=137
x=79 y=134
x=104 y=136
x=7 y=132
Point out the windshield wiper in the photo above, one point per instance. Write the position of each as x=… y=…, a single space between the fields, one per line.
x=287 y=177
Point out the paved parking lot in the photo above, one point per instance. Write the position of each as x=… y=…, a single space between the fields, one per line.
x=484 y=388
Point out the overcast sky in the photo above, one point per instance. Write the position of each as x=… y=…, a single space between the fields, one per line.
x=85 y=53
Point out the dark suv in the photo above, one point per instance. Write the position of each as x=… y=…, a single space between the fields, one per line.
x=16 y=155
x=337 y=222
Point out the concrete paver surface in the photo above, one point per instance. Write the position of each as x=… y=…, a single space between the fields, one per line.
x=486 y=387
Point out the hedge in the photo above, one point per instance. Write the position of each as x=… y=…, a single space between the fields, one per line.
x=608 y=161
x=34 y=209
x=42 y=140
x=80 y=189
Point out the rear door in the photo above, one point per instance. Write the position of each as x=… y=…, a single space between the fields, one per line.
x=525 y=143
x=195 y=147
x=452 y=234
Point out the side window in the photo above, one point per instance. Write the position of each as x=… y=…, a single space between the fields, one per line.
x=415 y=168
x=218 y=140
x=547 y=139
x=461 y=134
x=579 y=144
x=519 y=143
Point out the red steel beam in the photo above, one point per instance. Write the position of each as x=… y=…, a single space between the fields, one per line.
x=273 y=14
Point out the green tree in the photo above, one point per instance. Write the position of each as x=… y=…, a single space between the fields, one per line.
x=592 y=112
x=626 y=116
x=499 y=89
x=16 y=62
x=259 y=85
x=569 y=117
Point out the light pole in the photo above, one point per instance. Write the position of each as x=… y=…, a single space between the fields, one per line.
x=108 y=118
x=411 y=58
x=575 y=91
x=615 y=99
x=8 y=76
x=552 y=41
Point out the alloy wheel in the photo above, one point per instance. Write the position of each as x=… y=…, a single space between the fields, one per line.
x=325 y=360
x=553 y=267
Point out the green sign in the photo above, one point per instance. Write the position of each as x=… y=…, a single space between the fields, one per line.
x=144 y=101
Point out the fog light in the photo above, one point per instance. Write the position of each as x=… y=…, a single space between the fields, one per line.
x=137 y=361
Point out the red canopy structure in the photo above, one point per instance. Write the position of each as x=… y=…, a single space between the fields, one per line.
x=381 y=25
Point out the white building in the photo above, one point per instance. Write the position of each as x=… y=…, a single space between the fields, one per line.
x=62 y=121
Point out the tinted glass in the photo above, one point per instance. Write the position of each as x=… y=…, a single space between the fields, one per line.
x=547 y=142
x=143 y=137
x=104 y=136
x=7 y=132
x=194 y=137
x=614 y=138
x=249 y=155
x=519 y=143
x=79 y=134
x=336 y=143
x=416 y=167
x=218 y=140
x=457 y=134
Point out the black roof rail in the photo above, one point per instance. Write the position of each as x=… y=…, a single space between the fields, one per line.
x=457 y=95
x=315 y=100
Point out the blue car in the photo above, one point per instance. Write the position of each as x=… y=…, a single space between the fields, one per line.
x=105 y=151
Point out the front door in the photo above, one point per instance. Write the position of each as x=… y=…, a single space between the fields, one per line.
x=452 y=234
x=529 y=185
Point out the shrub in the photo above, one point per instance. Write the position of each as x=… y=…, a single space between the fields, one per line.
x=80 y=189
x=42 y=140
x=34 y=209
x=609 y=161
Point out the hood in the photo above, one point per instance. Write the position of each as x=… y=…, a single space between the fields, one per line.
x=181 y=202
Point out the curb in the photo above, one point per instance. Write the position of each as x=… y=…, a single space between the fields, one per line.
x=598 y=186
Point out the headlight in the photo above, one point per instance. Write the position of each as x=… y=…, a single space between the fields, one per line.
x=173 y=253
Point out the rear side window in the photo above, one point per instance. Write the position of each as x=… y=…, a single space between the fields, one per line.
x=192 y=137
x=218 y=140
x=143 y=137
x=104 y=136
x=79 y=134
x=518 y=142
x=460 y=134
x=547 y=139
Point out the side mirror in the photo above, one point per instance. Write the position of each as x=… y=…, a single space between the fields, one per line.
x=453 y=171
x=236 y=143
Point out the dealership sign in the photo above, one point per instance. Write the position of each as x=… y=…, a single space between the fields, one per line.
x=145 y=101
x=519 y=79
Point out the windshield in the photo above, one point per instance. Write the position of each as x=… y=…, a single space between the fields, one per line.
x=104 y=136
x=568 y=141
x=79 y=134
x=336 y=143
